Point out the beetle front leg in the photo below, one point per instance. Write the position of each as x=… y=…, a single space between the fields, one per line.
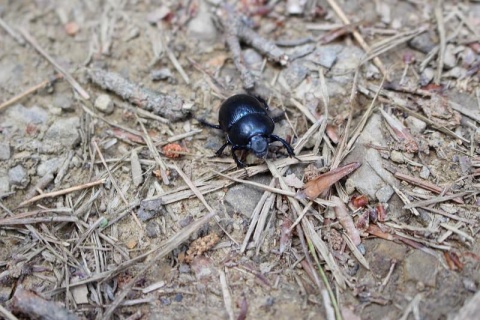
x=220 y=151
x=285 y=144
x=234 y=155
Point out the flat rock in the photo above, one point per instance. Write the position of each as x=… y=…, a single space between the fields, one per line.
x=5 y=151
x=371 y=176
x=4 y=182
x=49 y=166
x=325 y=55
x=244 y=198
x=64 y=132
x=19 y=115
x=201 y=27
x=421 y=267
x=18 y=176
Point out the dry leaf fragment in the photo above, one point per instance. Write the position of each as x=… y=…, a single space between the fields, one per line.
x=346 y=220
x=315 y=187
x=400 y=133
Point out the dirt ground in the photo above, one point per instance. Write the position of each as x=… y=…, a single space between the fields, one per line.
x=113 y=203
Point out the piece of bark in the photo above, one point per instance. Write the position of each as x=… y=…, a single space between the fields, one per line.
x=35 y=307
x=167 y=106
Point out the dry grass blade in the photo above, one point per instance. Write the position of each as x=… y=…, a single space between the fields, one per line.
x=7 y=314
x=258 y=185
x=443 y=42
x=23 y=221
x=341 y=212
x=312 y=234
x=62 y=192
x=227 y=297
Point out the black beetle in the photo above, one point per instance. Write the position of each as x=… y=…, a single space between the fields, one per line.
x=245 y=120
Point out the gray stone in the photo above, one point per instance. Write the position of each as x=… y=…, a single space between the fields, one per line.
x=326 y=55
x=244 y=198
x=49 y=166
x=201 y=27
x=423 y=42
x=415 y=125
x=426 y=76
x=294 y=74
x=424 y=173
x=21 y=116
x=4 y=183
x=161 y=74
x=64 y=101
x=18 y=176
x=150 y=208
x=371 y=176
x=104 y=103
x=421 y=267
x=5 y=151
x=384 y=193
x=152 y=229
x=63 y=132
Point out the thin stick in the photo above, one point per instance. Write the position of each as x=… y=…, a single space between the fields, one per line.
x=443 y=43
x=11 y=32
x=62 y=192
x=29 y=91
x=227 y=297
x=65 y=74
x=114 y=182
x=257 y=185
x=357 y=36
x=7 y=314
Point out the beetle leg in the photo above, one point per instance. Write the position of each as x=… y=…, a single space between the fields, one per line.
x=220 y=151
x=285 y=144
x=234 y=155
x=263 y=101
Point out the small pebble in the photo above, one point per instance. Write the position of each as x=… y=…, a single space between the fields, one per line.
x=161 y=74
x=415 y=125
x=178 y=297
x=104 y=103
x=18 y=176
x=396 y=156
x=424 y=173
x=152 y=229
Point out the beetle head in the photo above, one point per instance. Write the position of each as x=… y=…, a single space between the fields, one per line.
x=259 y=145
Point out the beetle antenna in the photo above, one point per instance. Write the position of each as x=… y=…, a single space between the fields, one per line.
x=208 y=124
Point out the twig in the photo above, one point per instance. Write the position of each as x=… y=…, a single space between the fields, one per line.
x=155 y=153
x=167 y=106
x=424 y=184
x=443 y=43
x=62 y=192
x=114 y=181
x=33 y=306
x=13 y=222
x=230 y=22
x=257 y=185
x=11 y=32
x=7 y=314
x=227 y=297
x=29 y=91
x=59 y=68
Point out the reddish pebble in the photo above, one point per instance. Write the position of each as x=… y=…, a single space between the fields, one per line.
x=171 y=150
x=72 y=28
